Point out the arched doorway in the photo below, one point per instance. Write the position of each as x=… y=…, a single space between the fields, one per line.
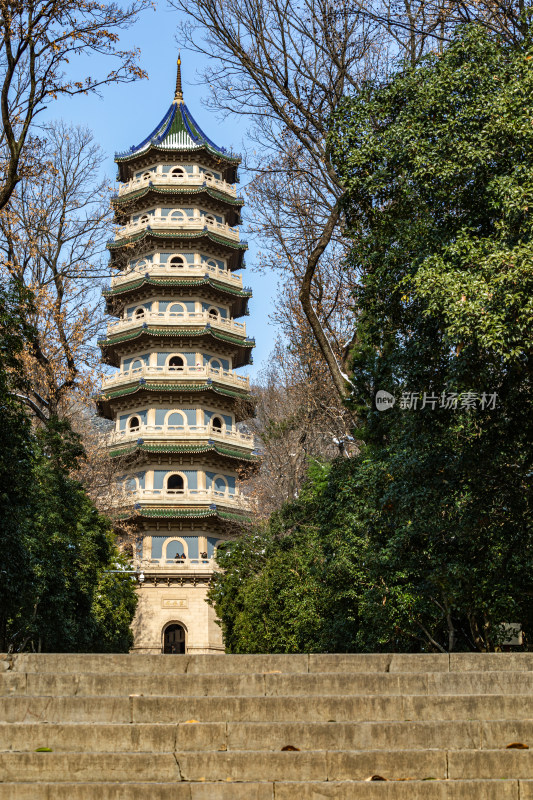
x=176 y=362
x=174 y=639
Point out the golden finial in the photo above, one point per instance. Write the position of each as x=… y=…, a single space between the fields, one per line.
x=179 y=91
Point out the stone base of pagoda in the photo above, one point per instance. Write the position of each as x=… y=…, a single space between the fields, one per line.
x=164 y=609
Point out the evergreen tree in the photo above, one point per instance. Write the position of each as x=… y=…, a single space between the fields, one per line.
x=58 y=591
x=424 y=541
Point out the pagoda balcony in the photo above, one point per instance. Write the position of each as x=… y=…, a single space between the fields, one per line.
x=168 y=181
x=188 y=433
x=165 y=318
x=195 y=223
x=158 y=270
x=187 y=497
x=180 y=564
x=167 y=373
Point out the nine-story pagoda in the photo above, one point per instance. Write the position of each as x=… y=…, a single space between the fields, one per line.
x=176 y=398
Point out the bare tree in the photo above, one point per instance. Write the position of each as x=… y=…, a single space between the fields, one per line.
x=38 y=39
x=287 y=65
x=298 y=419
x=52 y=239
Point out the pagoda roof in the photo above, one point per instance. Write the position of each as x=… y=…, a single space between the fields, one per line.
x=178 y=130
x=215 y=512
x=216 y=194
x=243 y=345
x=120 y=295
x=188 y=448
x=201 y=237
x=104 y=400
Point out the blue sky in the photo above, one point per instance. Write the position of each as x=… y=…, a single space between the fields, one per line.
x=125 y=114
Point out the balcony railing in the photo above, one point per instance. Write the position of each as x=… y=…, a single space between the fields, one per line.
x=186 y=564
x=187 y=497
x=166 y=373
x=170 y=180
x=158 y=270
x=181 y=433
x=197 y=222
x=197 y=318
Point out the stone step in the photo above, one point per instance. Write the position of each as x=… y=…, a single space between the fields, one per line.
x=283 y=790
x=258 y=736
x=227 y=665
x=267 y=684
x=264 y=709
x=256 y=766
x=449 y=735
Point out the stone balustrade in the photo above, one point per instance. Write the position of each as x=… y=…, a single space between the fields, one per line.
x=168 y=180
x=181 y=318
x=176 y=222
x=159 y=270
x=182 y=564
x=173 y=433
x=187 y=497
x=166 y=373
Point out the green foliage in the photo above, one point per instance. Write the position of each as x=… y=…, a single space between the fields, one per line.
x=56 y=593
x=438 y=167
x=287 y=586
x=424 y=541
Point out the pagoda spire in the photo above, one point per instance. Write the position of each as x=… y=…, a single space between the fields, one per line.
x=178 y=97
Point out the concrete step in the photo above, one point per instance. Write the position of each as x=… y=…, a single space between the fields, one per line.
x=256 y=766
x=264 y=709
x=267 y=684
x=218 y=727
x=219 y=736
x=282 y=790
x=227 y=665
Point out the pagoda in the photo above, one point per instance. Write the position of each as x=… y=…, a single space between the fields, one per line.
x=176 y=399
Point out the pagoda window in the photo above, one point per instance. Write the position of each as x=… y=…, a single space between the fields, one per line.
x=134 y=424
x=176 y=362
x=147 y=175
x=214 y=364
x=216 y=423
x=220 y=483
x=177 y=216
x=175 y=420
x=139 y=313
x=177 y=261
x=144 y=219
x=213 y=313
x=175 y=484
x=177 y=172
x=210 y=219
x=176 y=308
x=137 y=364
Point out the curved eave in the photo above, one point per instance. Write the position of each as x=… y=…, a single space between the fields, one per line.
x=200 y=237
x=149 y=197
x=139 y=512
x=139 y=194
x=242 y=347
x=169 y=152
x=105 y=400
x=237 y=298
x=184 y=449
x=127 y=165
x=184 y=283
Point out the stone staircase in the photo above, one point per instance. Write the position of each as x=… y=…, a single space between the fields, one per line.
x=295 y=727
